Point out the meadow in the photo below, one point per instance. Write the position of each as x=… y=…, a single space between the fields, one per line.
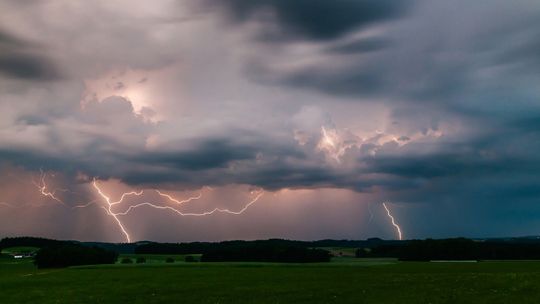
x=344 y=280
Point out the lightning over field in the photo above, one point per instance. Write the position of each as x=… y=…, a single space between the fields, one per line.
x=185 y=138
x=125 y=196
x=398 y=228
x=125 y=204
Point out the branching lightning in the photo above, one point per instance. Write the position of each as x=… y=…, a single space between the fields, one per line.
x=169 y=197
x=6 y=204
x=333 y=144
x=215 y=210
x=43 y=189
x=398 y=229
x=109 y=205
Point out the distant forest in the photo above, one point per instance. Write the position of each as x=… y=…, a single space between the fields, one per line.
x=457 y=249
x=278 y=250
x=73 y=255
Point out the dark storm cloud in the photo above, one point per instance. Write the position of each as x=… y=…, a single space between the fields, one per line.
x=287 y=175
x=8 y=39
x=430 y=56
x=31 y=160
x=315 y=19
x=210 y=154
x=27 y=66
x=432 y=102
x=490 y=173
x=353 y=81
x=361 y=46
x=221 y=161
x=321 y=21
x=505 y=147
x=446 y=164
x=21 y=59
x=397 y=62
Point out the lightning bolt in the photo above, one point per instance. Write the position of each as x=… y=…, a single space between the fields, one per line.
x=370 y=213
x=42 y=187
x=189 y=199
x=215 y=210
x=327 y=139
x=115 y=215
x=328 y=143
x=6 y=204
x=398 y=229
x=333 y=144
x=111 y=204
x=85 y=205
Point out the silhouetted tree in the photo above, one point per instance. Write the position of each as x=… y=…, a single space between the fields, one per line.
x=126 y=261
x=73 y=255
x=141 y=260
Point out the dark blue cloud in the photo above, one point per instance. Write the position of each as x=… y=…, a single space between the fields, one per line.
x=210 y=154
x=315 y=19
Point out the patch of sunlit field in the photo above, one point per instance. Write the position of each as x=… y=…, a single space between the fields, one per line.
x=25 y=249
x=156 y=258
x=340 y=251
x=341 y=281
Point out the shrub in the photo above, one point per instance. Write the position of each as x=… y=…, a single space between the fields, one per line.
x=126 y=261
x=190 y=258
x=169 y=260
x=141 y=260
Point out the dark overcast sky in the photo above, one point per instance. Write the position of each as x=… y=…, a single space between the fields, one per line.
x=327 y=108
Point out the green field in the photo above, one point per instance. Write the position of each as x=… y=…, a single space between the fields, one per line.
x=345 y=280
x=20 y=249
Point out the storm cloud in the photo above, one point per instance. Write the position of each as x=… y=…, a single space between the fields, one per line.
x=316 y=20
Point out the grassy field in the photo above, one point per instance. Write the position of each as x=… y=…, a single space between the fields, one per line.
x=345 y=280
x=13 y=250
x=340 y=251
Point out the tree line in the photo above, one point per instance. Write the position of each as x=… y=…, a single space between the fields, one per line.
x=26 y=241
x=57 y=254
x=265 y=252
x=456 y=249
x=73 y=255
x=274 y=250
x=202 y=247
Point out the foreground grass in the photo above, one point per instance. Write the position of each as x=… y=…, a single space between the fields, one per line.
x=354 y=281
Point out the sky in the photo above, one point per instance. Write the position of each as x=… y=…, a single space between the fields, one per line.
x=209 y=120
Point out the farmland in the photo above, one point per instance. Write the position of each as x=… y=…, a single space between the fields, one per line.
x=344 y=280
